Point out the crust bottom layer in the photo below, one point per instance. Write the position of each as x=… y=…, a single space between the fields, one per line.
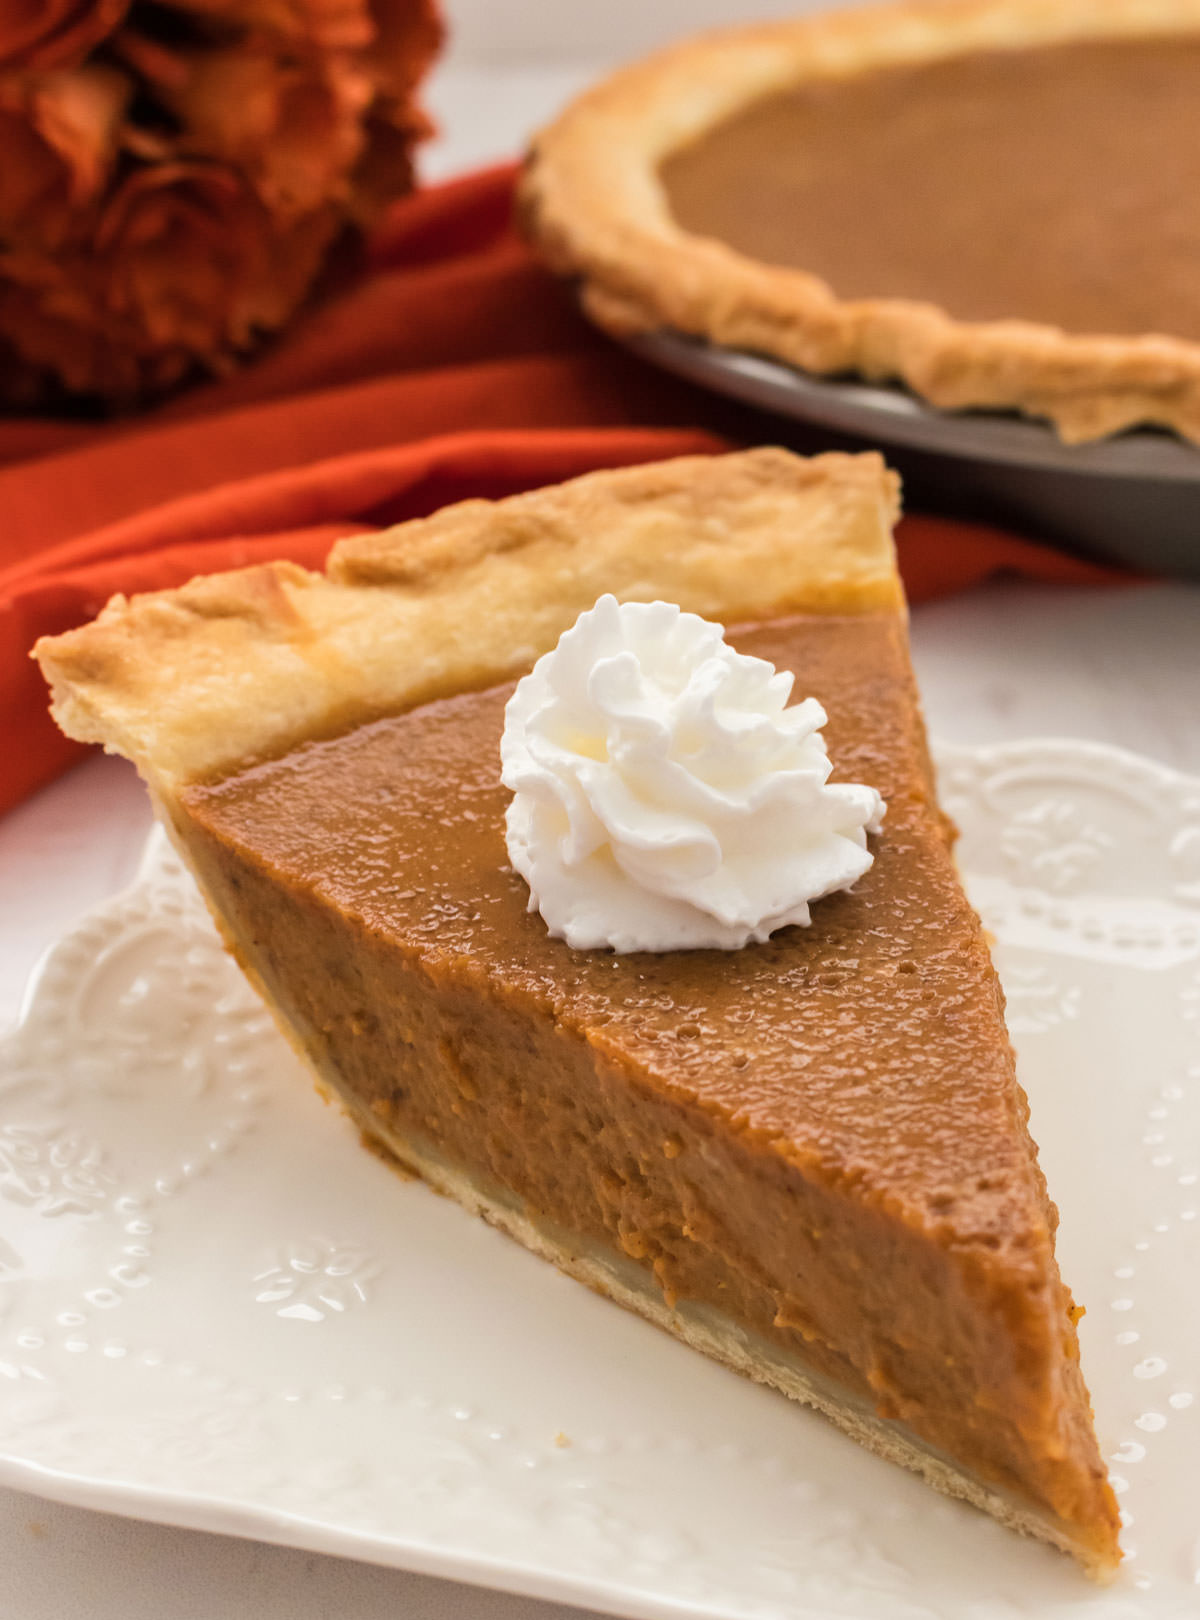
x=715 y=1335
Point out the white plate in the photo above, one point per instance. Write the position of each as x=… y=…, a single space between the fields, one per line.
x=217 y=1310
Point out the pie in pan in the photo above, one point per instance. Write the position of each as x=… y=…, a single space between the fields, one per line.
x=993 y=202
x=808 y=1158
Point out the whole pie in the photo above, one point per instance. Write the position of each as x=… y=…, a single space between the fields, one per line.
x=992 y=201
x=808 y=1158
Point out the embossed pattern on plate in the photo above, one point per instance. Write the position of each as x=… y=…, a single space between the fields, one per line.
x=217 y=1310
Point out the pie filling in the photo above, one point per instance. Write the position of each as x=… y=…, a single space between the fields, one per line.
x=1054 y=184
x=776 y=1133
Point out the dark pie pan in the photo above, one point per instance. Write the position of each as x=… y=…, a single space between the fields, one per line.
x=1133 y=499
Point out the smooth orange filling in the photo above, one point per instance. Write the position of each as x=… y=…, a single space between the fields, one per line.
x=1055 y=184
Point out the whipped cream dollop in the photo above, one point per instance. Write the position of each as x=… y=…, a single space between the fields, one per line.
x=665 y=797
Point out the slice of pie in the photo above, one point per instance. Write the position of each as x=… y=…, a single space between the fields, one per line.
x=809 y=1157
x=990 y=200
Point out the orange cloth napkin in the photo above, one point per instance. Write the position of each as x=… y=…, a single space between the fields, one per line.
x=452 y=366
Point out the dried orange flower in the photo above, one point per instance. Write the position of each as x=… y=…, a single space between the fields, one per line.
x=39 y=34
x=333 y=25
x=169 y=198
x=59 y=135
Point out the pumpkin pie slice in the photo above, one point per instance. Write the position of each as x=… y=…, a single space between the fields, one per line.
x=992 y=201
x=808 y=1158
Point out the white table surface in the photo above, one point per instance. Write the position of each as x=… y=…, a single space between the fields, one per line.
x=1008 y=661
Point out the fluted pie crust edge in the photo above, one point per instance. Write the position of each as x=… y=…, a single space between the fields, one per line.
x=594 y=206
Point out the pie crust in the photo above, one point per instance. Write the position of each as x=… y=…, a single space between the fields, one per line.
x=594 y=205
x=463 y=599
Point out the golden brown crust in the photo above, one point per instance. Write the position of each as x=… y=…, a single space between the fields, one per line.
x=594 y=205
x=238 y=666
